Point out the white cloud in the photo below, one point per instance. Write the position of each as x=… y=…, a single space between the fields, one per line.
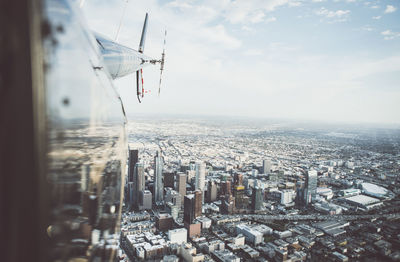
x=337 y=16
x=244 y=11
x=389 y=34
x=368 y=28
x=325 y=12
x=271 y=19
x=377 y=17
x=257 y=17
x=318 y=1
x=347 y=1
x=295 y=4
x=247 y=28
x=390 y=9
x=180 y=4
x=219 y=35
x=253 y=52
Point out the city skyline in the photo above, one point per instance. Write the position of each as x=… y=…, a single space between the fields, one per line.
x=270 y=193
x=307 y=60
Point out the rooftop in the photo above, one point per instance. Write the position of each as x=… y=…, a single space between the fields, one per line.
x=363 y=199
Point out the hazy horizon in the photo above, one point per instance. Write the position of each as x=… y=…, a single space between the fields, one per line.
x=150 y=116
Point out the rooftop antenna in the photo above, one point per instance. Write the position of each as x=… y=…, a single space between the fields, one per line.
x=120 y=21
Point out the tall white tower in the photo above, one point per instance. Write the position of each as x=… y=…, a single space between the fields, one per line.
x=200 y=176
x=158 y=178
x=266 y=166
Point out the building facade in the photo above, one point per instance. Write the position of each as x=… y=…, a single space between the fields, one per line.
x=139 y=183
x=311 y=183
x=257 y=199
x=181 y=184
x=158 y=178
x=266 y=168
x=133 y=159
x=200 y=175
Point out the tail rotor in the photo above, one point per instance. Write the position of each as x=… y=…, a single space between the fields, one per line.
x=162 y=61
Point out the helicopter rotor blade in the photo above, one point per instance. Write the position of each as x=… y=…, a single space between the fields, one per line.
x=162 y=61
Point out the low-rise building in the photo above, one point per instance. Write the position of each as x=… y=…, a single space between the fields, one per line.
x=205 y=222
x=364 y=202
x=178 y=235
x=189 y=253
x=225 y=256
x=250 y=234
x=282 y=234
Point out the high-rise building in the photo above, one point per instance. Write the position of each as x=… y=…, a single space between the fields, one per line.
x=266 y=168
x=300 y=190
x=173 y=196
x=146 y=200
x=241 y=200
x=238 y=179
x=200 y=175
x=211 y=192
x=257 y=199
x=226 y=188
x=169 y=179
x=198 y=200
x=133 y=159
x=181 y=184
x=131 y=195
x=188 y=211
x=190 y=174
x=158 y=178
x=311 y=186
x=173 y=210
x=227 y=204
x=138 y=181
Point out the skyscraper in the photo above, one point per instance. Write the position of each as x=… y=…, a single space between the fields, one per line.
x=158 y=178
x=188 y=211
x=173 y=196
x=227 y=204
x=238 y=179
x=266 y=168
x=257 y=199
x=198 y=200
x=311 y=186
x=211 y=192
x=240 y=199
x=133 y=159
x=200 y=175
x=181 y=184
x=169 y=179
x=131 y=195
x=226 y=188
x=138 y=181
x=145 y=200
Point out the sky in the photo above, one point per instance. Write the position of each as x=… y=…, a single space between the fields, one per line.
x=329 y=60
